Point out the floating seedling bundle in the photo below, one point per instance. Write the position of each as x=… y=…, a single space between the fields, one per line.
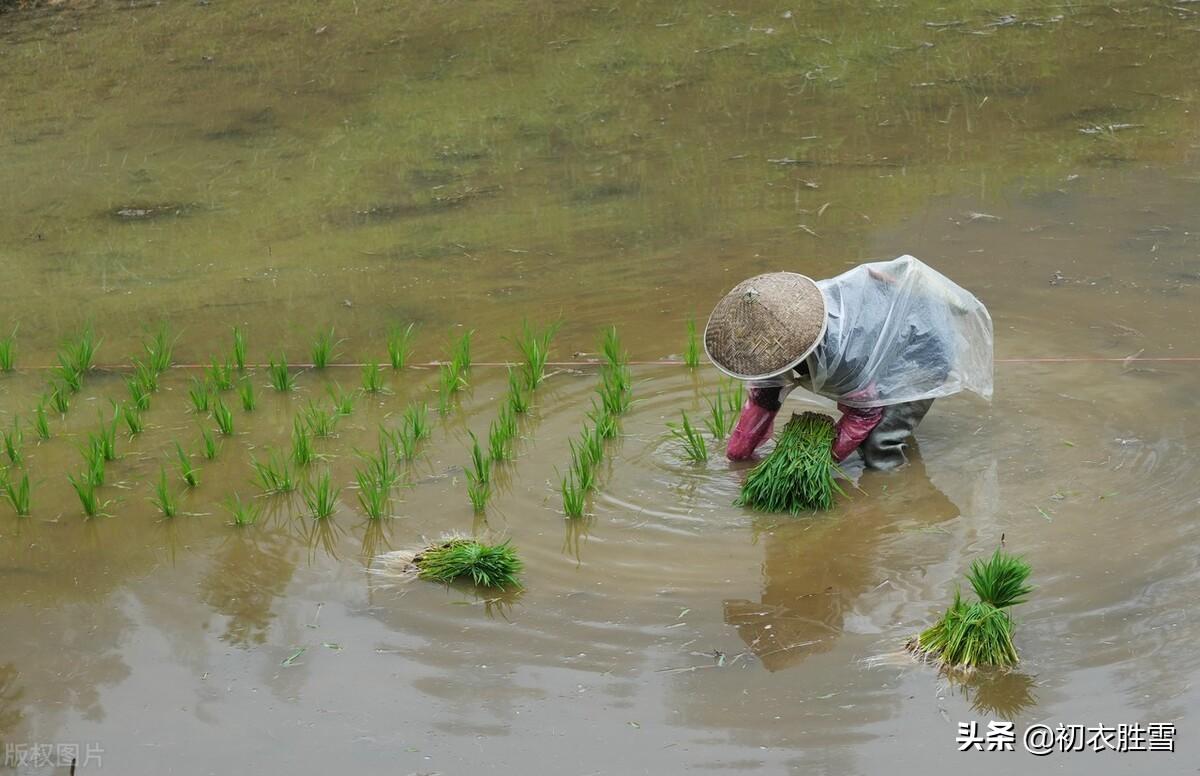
x=971 y=635
x=457 y=558
x=798 y=475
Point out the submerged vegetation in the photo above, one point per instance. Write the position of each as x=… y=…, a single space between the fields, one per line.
x=971 y=635
x=798 y=475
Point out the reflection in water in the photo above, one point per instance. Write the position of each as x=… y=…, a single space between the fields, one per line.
x=814 y=568
x=998 y=694
x=249 y=571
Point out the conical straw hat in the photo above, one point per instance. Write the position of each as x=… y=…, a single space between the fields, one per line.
x=766 y=325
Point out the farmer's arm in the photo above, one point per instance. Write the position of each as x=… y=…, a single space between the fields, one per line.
x=754 y=423
x=853 y=428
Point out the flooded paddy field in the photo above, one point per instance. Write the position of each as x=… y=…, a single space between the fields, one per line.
x=294 y=167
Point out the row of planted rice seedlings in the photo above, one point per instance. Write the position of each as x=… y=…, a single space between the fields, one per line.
x=587 y=452
x=523 y=380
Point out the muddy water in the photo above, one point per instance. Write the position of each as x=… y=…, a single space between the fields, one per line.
x=358 y=165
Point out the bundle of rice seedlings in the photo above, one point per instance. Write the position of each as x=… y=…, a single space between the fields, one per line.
x=457 y=558
x=970 y=635
x=798 y=475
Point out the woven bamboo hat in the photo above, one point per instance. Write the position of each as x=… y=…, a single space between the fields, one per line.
x=766 y=325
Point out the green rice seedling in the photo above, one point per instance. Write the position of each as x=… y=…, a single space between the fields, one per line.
x=691 y=351
x=209 y=445
x=243 y=513
x=518 y=399
x=460 y=354
x=535 y=351
x=282 y=380
x=94 y=463
x=85 y=488
x=162 y=498
x=614 y=393
x=976 y=634
x=186 y=470
x=373 y=494
x=322 y=349
x=695 y=449
x=60 y=398
x=590 y=450
x=200 y=396
x=158 y=350
x=452 y=380
x=320 y=422
x=604 y=424
x=479 y=477
x=8 y=352
x=41 y=423
x=719 y=421
x=133 y=419
x=223 y=416
x=302 y=444
x=382 y=465
x=82 y=352
x=220 y=376
x=239 y=348
x=574 y=496
x=13 y=442
x=274 y=475
x=321 y=496
x=68 y=373
x=145 y=375
x=402 y=441
x=798 y=475
x=502 y=434
x=454 y=558
x=17 y=493
x=372 y=377
x=416 y=419
x=399 y=345
x=343 y=401
x=611 y=349
x=246 y=393
x=583 y=468
x=139 y=394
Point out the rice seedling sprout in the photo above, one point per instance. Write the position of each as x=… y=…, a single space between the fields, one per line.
x=133 y=419
x=163 y=498
x=343 y=401
x=41 y=423
x=246 y=394
x=321 y=496
x=186 y=470
x=13 y=442
x=518 y=399
x=209 y=445
x=239 y=348
x=372 y=377
x=200 y=396
x=17 y=492
x=274 y=475
x=691 y=351
x=8 y=352
x=695 y=449
x=535 y=350
x=399 y=345
x=373 y=494
x=85 y=488
x=243 y=513
x=320 y=422
x=223 y=417
x=220 y=376
x=281 y=379
x=60 y=398
x=573 y=495
x=158 y=350
x=416 y=418
x=322 y=349
x=139 y=394
x=302 y=445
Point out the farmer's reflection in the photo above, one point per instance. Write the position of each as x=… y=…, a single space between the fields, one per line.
x=815 y=568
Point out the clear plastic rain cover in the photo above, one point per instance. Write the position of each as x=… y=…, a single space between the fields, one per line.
x=899 y=331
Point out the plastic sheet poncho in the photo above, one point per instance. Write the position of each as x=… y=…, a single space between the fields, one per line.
x=899 y=331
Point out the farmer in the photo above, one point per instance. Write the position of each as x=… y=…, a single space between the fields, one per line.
x=883 y=340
